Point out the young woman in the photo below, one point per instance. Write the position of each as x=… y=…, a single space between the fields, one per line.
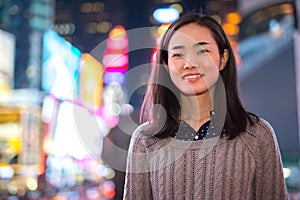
x=197 y=141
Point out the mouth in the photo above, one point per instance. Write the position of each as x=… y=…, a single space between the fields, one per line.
x=192 y=76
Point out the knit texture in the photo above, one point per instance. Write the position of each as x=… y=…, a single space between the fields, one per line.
x=247 y=167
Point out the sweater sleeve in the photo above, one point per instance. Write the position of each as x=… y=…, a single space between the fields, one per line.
x=137 y=179
x=269 y=179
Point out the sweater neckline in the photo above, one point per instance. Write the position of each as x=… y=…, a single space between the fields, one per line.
x=205 y=145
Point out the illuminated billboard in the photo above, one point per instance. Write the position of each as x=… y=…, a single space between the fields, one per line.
x=60 y=69
x=91 y=82
x=115 y=57
x=7 y=59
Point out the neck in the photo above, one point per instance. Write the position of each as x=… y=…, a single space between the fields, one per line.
x=197 y=107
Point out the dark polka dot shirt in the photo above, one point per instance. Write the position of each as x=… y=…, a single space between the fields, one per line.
x=207 y=130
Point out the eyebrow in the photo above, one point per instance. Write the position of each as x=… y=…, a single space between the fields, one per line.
x=177 y=47
x=194 y=45
x=200 y=44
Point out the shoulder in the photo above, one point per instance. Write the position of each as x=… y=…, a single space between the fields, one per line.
x=260 y=136
x=141 y=139
x=261 y=129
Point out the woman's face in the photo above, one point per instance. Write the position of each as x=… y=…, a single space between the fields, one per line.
x=194 y=59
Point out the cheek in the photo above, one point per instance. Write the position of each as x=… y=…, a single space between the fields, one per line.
x=211 y=72
x=174 y=73
x=211 y=64
x=174 y=64
x=175 y=77
x=174 y=69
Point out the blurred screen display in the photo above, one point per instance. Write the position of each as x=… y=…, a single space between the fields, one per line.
x=7 y=52
x=60 y=70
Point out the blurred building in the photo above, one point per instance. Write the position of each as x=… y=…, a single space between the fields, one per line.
x=87 y=23
x=27 y=20
x=269 y=75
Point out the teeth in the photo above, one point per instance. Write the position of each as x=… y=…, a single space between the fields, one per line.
x=193 y=76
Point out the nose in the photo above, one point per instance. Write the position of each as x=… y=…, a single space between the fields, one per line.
x=189 y=63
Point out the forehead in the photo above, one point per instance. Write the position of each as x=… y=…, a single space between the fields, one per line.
x=191 y=33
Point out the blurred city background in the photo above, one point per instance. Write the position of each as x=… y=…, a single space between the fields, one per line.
x=72 y=76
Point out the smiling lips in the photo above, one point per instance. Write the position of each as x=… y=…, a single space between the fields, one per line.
x=192 y=77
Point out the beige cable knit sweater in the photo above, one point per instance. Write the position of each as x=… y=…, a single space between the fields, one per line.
x=247 y=167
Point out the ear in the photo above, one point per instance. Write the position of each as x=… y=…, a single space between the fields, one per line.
x=224 y=59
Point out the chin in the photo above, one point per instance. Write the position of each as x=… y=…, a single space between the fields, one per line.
x=194 y=93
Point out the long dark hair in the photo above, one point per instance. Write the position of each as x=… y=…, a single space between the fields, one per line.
x=161 y=90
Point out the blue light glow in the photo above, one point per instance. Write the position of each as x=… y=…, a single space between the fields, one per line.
x=165 y=15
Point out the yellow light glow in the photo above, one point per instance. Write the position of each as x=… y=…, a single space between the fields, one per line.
x=287 y=8
x=91 y=76
x=177 y=7
x=98 y=6
x=233 y=18
x=104 y=27
x=31 y=183
x=15 y=143
x=162 y=29
x=86 y=7
x=117 y=32
x=231 y=29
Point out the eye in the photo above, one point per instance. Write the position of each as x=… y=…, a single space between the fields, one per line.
x=202 y=51
x=177 y=55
